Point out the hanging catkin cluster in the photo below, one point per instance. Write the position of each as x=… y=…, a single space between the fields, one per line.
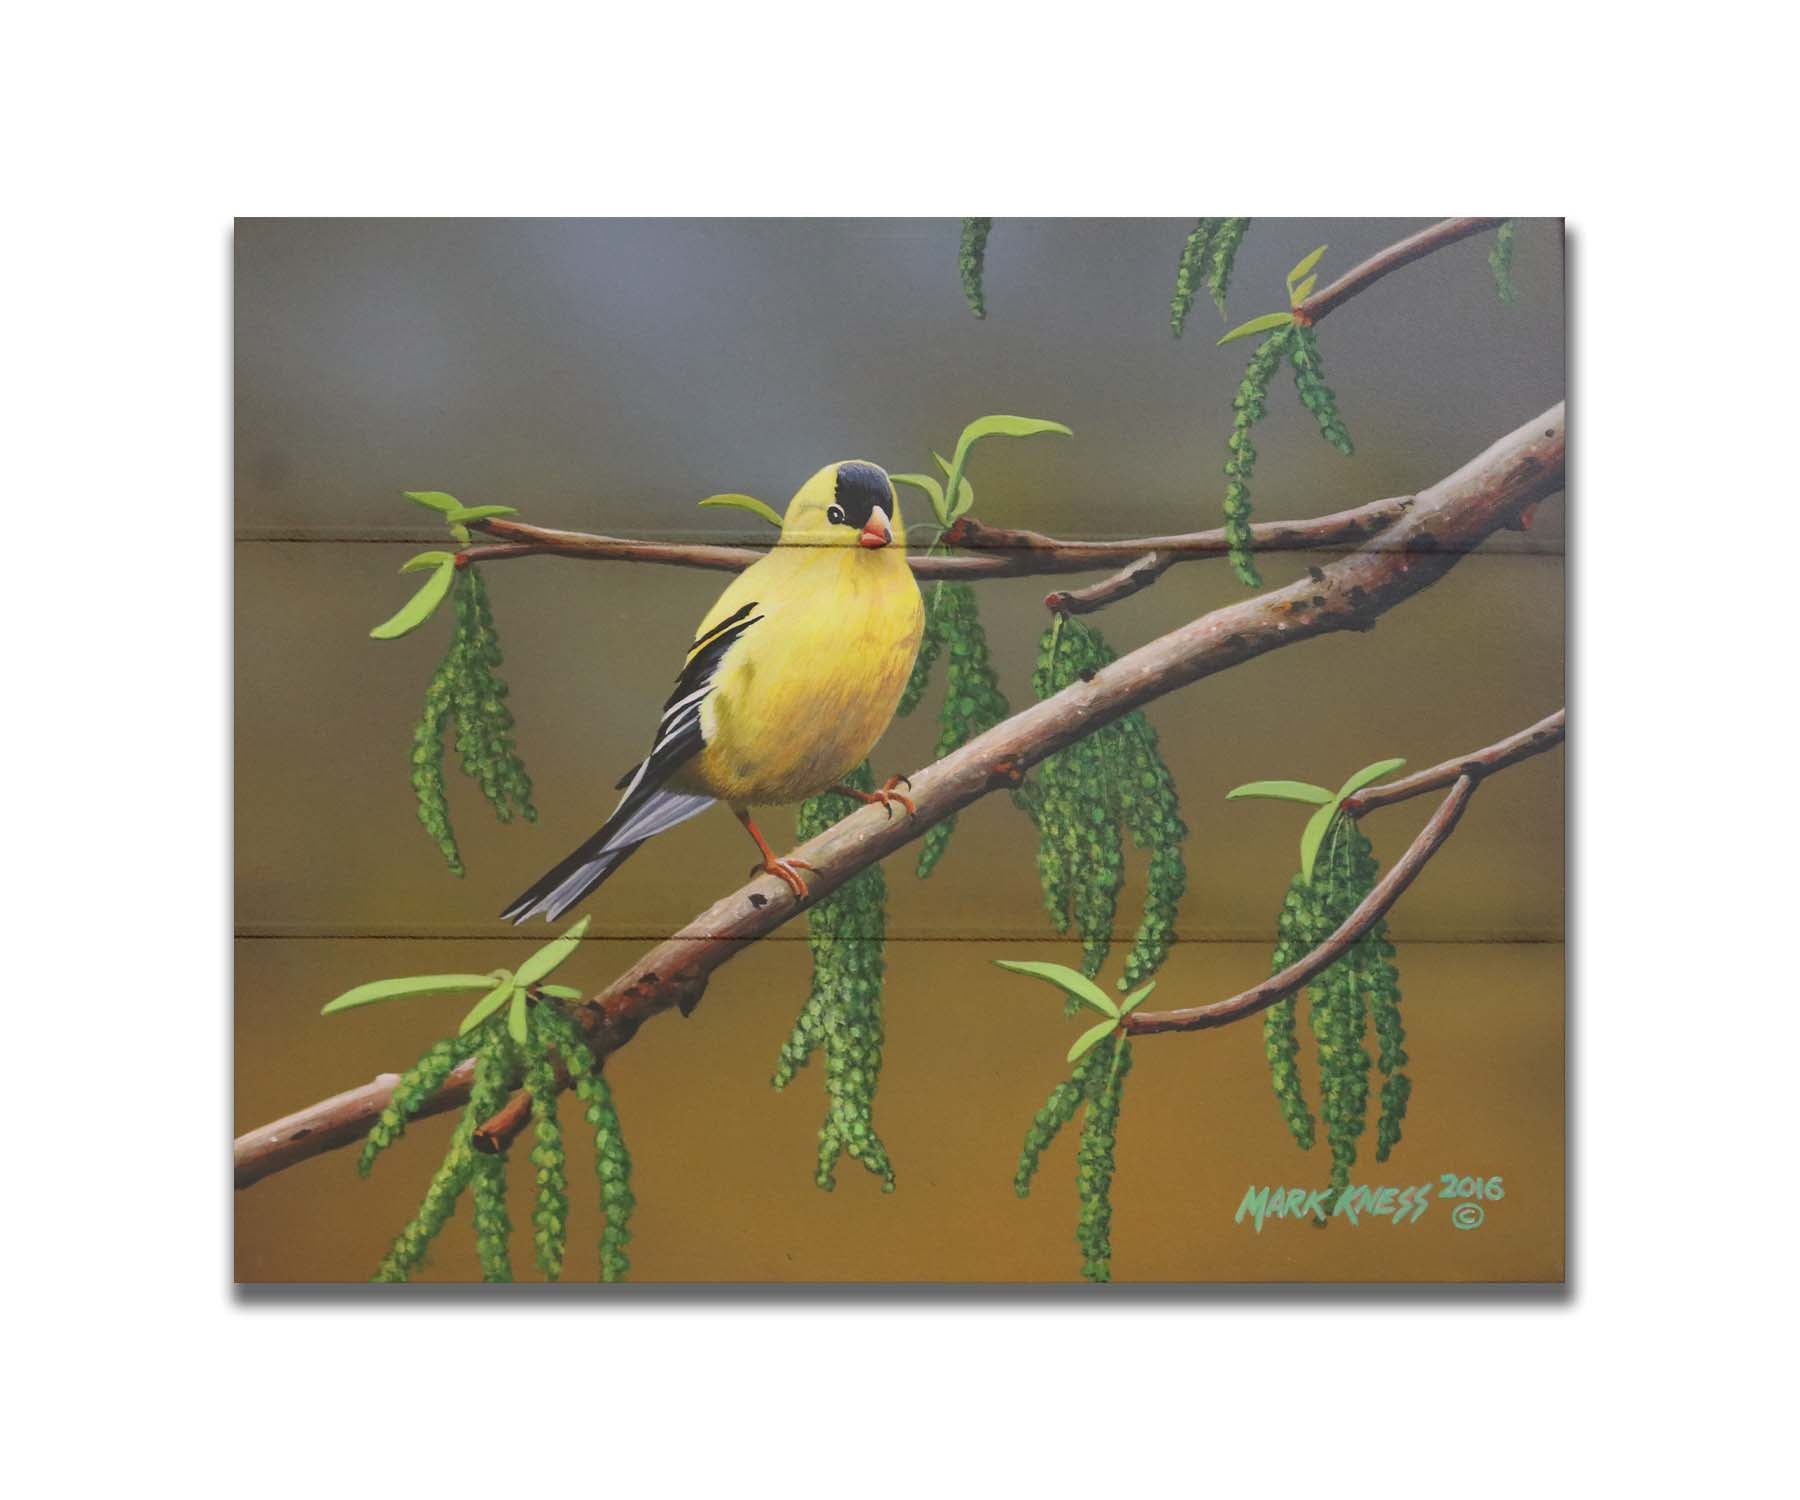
x=1087 y=797
x=971 y=259
x=1248 y=406
x=612 y=1162
x=497 y=1070
x=1094 y=1158
x=1098 y=1081
x=467 y=695
x=1341 y=1000
x=1299 y=345
x=1206 y=260
x=549 y=1160
x=1317 y=397
x=501 y=1065
x=846 y=932
x=1500 y=259
x=973 y=702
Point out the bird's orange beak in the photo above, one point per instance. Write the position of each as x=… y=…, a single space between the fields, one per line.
x=876 y=532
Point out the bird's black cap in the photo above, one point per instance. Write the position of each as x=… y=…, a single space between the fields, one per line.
x=860 y=488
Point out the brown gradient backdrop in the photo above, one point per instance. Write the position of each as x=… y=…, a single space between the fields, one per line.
x=604 y=375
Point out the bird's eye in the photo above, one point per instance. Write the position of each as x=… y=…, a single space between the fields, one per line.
x=835 y=515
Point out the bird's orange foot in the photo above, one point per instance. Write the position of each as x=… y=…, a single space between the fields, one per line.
x=887 y=796
x=787 y=870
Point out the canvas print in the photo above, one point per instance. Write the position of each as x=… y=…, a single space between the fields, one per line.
x=892 y=751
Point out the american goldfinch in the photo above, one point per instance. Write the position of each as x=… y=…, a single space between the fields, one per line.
x=792 y=677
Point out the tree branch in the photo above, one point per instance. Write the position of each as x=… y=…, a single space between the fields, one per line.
x=1438 y=528
x=1543 y=735
x=1402 y=253
x=993 y=551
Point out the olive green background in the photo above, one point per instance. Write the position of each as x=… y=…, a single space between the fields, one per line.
x=603 y=375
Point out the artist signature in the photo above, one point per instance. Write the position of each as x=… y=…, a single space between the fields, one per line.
x=1398 y=1205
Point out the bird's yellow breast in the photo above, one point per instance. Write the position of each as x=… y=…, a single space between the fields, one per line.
x=801 y=698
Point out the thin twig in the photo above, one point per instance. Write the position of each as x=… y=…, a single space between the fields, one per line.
x=1444 y=523
x=1543 y=735
x=1403 y=253
x=989 y=551
x=1370 y=910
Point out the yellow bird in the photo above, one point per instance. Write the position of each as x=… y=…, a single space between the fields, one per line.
x=792 y=677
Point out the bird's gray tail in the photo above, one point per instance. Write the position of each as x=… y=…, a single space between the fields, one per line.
x=577 y=876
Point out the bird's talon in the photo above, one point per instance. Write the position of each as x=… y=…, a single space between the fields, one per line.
x=788 y=870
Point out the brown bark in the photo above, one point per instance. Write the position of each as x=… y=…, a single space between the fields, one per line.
x=1403 y=253
x=989 y=551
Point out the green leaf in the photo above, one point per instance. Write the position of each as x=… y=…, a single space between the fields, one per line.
x=995 y=426
x=744 y=502
x=1091 y=1038
x=480 y=512
x=417 y=610
x=1289 y=791
x=1259 y=325
x=549 y=957
x=487 y=1005
x=424 y=560
x=932 y=489
x=400 y=989
x=560 y=991
x=1006 y=427
x=1070 y=981
x=1307 y=262
x=965 y=492
x=515 y=1018
x=434 y=500
x=1314 y=835
x=1300 y=293
x=1367 y=774
x=1132 y=1002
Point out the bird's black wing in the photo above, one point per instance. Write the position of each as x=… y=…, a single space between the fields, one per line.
x=648 y=806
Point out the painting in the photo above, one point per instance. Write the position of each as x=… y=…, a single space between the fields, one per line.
x=990 y=751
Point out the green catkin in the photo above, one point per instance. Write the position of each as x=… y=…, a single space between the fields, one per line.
x=550 y=1211
x=429 y=792
x=612 y=1162
x=1297 y=935
x=1339 y=1010
x=512 y=787
x=408 y=1251
x=1145 y=793
x=415 y=1089
x=805 y=1039
x=467 y=696
x=1317 y=397
x=1500 y=259
x=1222 y=256
x=973 y=702
x=971 y=260
x=1113 y=779
x=1103 y=860
x=1191 y=272
x=1380 y=982
x=496 y=1072
x=1048 y=1122
x=846 y=933
x=1094 y=1160
x=1249 y=406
